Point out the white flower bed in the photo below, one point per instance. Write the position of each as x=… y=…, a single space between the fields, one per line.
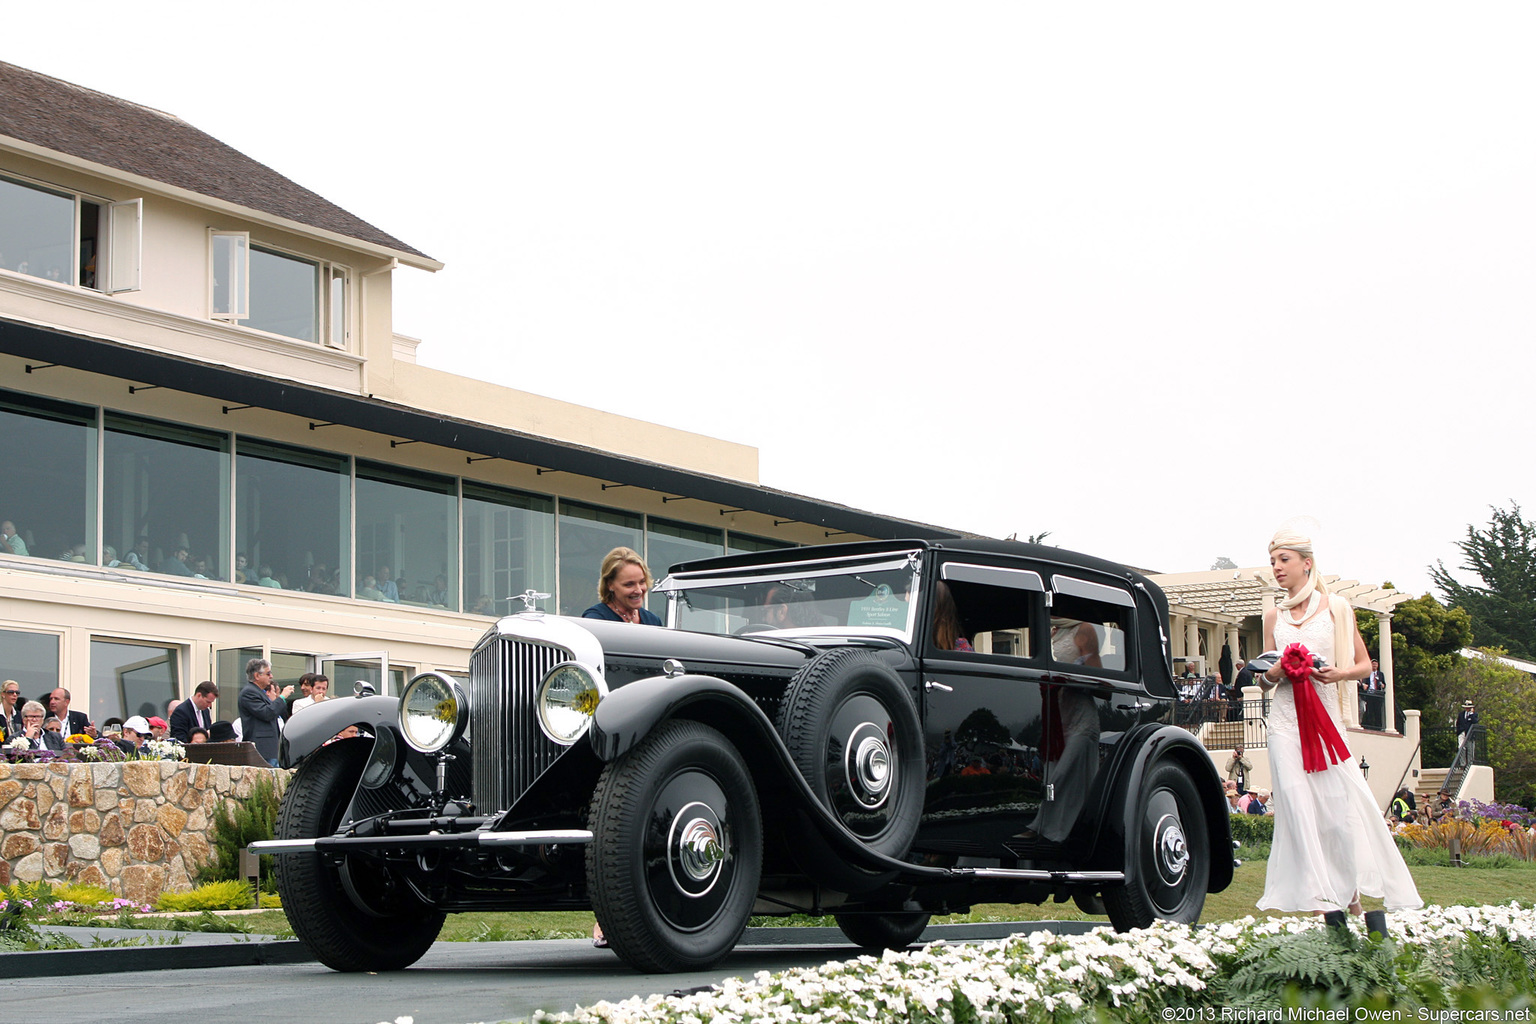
x=1038 y=976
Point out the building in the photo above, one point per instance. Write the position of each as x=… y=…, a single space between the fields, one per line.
x=217 y=447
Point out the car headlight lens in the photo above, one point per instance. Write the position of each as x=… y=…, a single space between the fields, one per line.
x=568 y=695
x=433 y=712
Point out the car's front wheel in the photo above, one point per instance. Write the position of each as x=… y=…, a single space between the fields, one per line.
x=324 y=900
x=1167 y=854
x=674 y=867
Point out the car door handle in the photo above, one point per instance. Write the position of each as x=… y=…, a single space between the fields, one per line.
x=932 y=685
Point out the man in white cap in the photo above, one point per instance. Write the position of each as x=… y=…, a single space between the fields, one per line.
x=136 y=731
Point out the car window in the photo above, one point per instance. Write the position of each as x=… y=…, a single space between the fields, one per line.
x=994 y=611
x=866 y=595
x=1090 y=632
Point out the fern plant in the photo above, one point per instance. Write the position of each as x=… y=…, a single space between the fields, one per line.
x=238 y=826
x=1328 y=967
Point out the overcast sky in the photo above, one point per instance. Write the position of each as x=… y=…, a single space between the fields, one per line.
x=1153 y=278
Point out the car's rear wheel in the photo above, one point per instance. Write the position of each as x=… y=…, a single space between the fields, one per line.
x=882 y=931
x=850 y=726
x=674 y=867
x=1167 y=855
x=322 y=899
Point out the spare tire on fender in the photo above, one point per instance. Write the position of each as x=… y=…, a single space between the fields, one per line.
x=851 y=728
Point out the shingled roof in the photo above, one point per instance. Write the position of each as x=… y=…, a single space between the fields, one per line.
x=104 y=129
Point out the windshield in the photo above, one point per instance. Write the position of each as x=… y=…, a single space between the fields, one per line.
x=870 y=596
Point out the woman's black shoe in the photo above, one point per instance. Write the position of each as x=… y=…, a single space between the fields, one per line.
x=1376 y=923
x=1335 y=919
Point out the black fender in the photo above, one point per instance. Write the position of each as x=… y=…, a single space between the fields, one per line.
x=306 y=733
x=1145 y=746
x=630 y=712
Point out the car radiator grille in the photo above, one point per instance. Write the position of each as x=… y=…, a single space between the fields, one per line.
x=507 y=747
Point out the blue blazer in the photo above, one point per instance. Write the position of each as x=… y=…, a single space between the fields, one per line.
x=602 y=611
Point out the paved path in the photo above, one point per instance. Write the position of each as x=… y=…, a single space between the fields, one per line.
x=455 y=983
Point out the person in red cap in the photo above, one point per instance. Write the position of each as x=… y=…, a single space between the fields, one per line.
x=159 y=727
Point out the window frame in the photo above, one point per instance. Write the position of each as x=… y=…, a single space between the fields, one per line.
x=124 y=237
x=1076 y=588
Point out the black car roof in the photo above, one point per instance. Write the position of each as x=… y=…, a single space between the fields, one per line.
x=1157 y=670
x=1009 y=548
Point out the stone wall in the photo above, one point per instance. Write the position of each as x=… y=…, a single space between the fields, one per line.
x=137 y=828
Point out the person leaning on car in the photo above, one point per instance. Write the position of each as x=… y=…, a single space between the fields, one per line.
x=623 y=581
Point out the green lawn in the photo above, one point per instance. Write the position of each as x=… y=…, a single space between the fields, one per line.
x=1441 y=885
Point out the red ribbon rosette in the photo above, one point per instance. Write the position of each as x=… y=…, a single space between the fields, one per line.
x=1321 y=744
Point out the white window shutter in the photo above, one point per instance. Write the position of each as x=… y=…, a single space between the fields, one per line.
x=125 y=240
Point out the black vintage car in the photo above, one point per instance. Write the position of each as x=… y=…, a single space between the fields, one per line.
x=881 y=731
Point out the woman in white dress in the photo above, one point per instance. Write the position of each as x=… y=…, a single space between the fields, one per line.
x=1331 y=844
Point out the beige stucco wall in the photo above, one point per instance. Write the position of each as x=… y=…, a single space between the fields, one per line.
x=483 y=402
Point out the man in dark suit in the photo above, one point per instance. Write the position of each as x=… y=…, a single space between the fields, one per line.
x=72 y=721
x=194 y=713
x=37 y=738
x=258 y=709
x=1465 y=721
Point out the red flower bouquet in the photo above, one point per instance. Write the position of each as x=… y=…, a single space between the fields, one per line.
x=1321 y=744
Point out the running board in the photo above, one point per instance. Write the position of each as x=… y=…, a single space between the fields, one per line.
x=1034 y=875
x=552 y=837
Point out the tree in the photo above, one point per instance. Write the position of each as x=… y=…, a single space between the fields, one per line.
x=1223 y=562
x=1426 y=637
x=1504 y=696
x=1503 y=556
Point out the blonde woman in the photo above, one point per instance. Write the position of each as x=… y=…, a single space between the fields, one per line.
x=623 y=582
x=1331 y=845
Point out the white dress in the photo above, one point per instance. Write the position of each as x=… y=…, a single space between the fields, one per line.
x=1331 y=842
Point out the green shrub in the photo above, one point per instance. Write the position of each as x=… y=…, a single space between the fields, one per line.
x=207 y=922
x=227 y=895
x=84 y=895
x=1253 y=829
x=235 y=828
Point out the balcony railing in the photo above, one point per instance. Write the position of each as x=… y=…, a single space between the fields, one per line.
x=1225 y=723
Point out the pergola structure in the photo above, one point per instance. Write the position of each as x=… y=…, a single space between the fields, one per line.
x=1218 y=607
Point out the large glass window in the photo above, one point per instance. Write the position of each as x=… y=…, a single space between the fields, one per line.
x=285 y=295
x=132 y=679
x=587 y=533
x=166 y=502
x=32 y=659
x=509 y=548
x=668 y=543
x=407 y=535
x=743 y=543
x=47 y=479
x=37 y=229
x=292 y=513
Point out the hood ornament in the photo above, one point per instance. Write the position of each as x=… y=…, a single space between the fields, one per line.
x=530 y=599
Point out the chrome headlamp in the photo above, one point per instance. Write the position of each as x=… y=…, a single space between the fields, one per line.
x=434 y=712
x=567 y=697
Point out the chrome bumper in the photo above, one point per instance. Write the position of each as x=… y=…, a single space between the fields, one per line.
x=552 y=837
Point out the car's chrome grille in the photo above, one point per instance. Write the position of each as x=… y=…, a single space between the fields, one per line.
x=508 y=749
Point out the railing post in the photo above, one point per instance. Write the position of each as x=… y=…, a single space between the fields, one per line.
x=250 y=873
